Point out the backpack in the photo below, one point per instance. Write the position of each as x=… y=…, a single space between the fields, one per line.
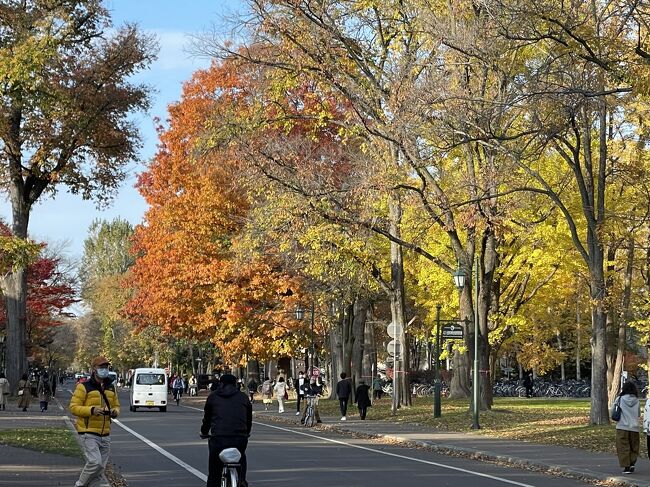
x=616 y=411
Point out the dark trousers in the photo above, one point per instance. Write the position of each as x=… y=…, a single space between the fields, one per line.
x=376 y=394
x=362 y=411
x=299 y=397
x=343 y=404
x=215 y=466
x=529 y=391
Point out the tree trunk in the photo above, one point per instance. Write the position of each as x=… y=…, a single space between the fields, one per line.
x=369 y=362
x=397 y=305
x=622 y=323
x=358 y=344
x=578 y=339
x=560 y=348
x=599 y=413
x=15 y=288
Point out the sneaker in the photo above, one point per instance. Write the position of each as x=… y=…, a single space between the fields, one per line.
x=627 y=470
x=631 y=468
x=319 y=421
x=344 y=418
x=298 y=413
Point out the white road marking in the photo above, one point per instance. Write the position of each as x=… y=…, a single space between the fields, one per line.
x=351 y=445
x=163 y=452
x=403 y=457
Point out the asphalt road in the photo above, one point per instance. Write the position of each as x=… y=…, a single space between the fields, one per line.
x=152 y=449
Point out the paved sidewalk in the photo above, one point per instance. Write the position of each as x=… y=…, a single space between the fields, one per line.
x=20 y=466
x=24 y=467
x=546 y=458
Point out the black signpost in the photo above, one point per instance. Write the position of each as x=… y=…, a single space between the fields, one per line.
x=452 y=330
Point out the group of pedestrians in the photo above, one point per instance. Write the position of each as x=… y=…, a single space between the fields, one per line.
x=361 y=396
x=44 y=390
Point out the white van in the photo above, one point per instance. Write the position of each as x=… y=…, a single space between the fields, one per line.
x=148 y=389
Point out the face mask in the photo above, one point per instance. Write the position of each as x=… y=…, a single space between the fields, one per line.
x=102 y=373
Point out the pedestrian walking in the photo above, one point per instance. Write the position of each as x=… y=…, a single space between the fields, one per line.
x=343 y=391
x=4 y=391
x=252 y=389
x=267 y=393
x=193 y=385
x=281 y=393
x=24 y=392
x=627 y=427
x=528 y=384
x=362 y=398
x=377 y=389
x=299 y=385
x=44 y=391
x=95 y=404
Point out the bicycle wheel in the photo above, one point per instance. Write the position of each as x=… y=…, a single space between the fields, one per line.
x=310 y=420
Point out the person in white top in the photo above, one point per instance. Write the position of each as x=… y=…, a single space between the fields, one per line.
x=627 y=427
x=299 y=385
x=281 y=393
x=4 y=391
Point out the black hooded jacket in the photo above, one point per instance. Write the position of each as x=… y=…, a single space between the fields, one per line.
x=227 y=412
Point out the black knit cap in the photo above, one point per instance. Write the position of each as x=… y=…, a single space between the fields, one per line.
x=228 y=379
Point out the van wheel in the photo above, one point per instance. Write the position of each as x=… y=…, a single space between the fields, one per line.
x=132 y=409
x=163 y=409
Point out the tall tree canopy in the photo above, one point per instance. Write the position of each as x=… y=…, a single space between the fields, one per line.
x=66 y=97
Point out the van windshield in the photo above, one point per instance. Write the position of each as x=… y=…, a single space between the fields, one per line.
x=150 y=379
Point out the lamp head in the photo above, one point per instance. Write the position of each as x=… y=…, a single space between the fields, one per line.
x=459 y=278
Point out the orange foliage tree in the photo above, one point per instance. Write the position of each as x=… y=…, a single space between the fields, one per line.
x=188 y=278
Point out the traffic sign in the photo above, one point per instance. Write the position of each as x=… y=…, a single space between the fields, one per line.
x=453 y=331
x=394 y=347
x=394 y=330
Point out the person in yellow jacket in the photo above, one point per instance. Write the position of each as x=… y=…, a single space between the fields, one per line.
x=95 y=404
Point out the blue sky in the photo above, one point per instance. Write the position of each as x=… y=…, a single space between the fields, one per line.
x=66 y=218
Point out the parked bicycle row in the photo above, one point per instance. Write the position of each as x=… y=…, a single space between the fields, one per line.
x=541 y=388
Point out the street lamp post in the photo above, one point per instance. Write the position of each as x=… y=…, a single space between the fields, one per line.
x=300 y=314
x=459 y=279
x=476 y=384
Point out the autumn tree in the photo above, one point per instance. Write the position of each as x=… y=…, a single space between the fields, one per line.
x=66 y=99
x=187 y=278
x=577 y=106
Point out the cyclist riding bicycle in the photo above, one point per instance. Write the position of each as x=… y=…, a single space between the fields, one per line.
x=312 y=390
x=228 y=418
x=177 y=388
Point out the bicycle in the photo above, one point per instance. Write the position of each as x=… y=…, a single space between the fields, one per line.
x=177 y=395
x=310 y=413
x=230 y=457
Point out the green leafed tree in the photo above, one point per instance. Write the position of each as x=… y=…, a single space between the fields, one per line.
x=66 y=97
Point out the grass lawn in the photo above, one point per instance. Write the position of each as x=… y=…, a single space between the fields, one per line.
x=45 y=440
x=539 y=420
